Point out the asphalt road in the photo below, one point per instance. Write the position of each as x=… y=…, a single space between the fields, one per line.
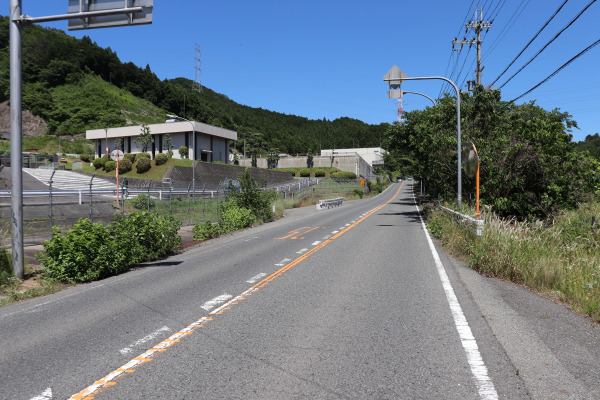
x=347 y=303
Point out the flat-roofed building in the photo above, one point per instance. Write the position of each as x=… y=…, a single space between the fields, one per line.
x=211 y=142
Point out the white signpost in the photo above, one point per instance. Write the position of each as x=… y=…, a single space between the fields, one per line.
x=85 y=14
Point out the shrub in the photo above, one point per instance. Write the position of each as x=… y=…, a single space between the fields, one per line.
x=252 y=197
x=5 y=267
x=142 y=155
x=130 y=157
x=320 y=173
x=234 y=217
x=110 y=166
x=204 y=231
x=183 y=152
x=90 y=251
x=161 y=158
x=305 y=172
x=145 y=236
x=343 y=175
x=143 y=165
x=98 y=163
x=84 y=157
x=142 y=202
x=359 y=193
x=125 y=166
x=84 y=253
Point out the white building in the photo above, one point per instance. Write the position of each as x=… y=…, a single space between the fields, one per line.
x=372 y=155
x=205 y=142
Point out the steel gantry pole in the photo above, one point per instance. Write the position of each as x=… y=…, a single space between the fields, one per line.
x=395 y=77
x=16 y=138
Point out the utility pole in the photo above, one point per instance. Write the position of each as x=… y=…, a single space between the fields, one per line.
x=478 y=25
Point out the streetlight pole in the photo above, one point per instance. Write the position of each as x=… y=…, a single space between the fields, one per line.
x=395 y=77
x=193 y=153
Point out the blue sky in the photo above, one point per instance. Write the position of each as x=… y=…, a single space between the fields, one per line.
x=327 y=58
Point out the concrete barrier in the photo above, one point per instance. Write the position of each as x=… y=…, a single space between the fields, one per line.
x=476 y=224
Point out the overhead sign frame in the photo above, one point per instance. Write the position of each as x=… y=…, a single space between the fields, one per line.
x=91 y=14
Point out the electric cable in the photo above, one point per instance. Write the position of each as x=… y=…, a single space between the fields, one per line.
x=532 y=39
x=547 y=44
x=558 y=70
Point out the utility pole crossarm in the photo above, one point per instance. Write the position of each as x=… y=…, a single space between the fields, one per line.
x=478 y=25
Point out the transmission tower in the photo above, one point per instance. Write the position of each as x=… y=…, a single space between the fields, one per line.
x=197 y=86
x=477 y=25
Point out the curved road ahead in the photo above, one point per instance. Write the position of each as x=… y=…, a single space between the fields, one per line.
x=354 y=302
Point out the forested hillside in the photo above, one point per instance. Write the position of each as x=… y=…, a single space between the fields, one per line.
x=79 y=85
x=591 y=144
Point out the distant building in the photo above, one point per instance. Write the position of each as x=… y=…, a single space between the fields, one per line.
x=372 y=155
x=211 y=142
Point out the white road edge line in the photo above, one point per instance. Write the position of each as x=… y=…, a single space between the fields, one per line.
x=216 y=301
x=485 y=386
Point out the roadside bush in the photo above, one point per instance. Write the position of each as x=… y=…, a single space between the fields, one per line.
x=89 y=251
x=84 y=157
x=253 y=197
x=5 y=267
x=320 y=173
x=305 y=172
x=144 y=236
x=124 y=166
x=130 y=157
x=205 y=231
x=140 y=202
x=142 y=155
x=183 y=152
x=343 y=175
x=84 y=253
x=98 y=163
x=161 y=158
x=234 y=217
x=359 y=193
x=143 y=165
x=110 y=166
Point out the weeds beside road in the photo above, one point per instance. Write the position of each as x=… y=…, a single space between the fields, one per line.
x=560 y=260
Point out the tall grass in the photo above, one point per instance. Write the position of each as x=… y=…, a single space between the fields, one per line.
x=561 y=259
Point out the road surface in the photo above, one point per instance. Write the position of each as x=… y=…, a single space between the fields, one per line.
x=354 y=302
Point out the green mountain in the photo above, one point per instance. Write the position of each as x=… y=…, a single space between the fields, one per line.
x=79 y=85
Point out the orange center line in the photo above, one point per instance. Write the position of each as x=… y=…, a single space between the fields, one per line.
x=110 y=379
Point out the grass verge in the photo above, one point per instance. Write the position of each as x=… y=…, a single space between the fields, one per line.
x=560 y=260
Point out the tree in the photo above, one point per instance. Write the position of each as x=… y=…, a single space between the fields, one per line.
x=273 y=157
x=168 y=145
x=529 y=166
x=144 y=139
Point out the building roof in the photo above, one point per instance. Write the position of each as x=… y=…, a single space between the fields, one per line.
x=157 y=129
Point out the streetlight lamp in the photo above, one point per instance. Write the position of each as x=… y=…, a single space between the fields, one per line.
x=193 y=153
x=59 y=132
x=395 y=77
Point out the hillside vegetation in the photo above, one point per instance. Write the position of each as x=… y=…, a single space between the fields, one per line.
x=79 y=85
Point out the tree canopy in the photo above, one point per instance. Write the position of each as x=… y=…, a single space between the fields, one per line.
x=529 y=166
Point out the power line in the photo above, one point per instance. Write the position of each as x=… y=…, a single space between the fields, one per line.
x=527 y=45
x=558 y=70
x=547 y=44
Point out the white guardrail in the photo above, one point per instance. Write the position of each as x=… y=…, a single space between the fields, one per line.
x=477 y=224
x=330 y=203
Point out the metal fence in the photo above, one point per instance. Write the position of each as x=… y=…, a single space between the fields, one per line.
x=62 y=208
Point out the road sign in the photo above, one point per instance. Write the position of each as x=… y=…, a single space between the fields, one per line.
x=116 y=155
x=141 y=13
